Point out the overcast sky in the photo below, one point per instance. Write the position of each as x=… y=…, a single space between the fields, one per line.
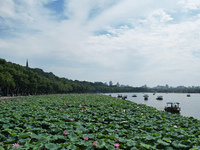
x=152 y=42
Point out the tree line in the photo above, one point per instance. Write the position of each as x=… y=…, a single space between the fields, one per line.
x=20 y=80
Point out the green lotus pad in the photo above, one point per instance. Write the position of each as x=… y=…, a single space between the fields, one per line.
x=92 y=121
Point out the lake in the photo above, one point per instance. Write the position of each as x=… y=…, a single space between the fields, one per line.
x=190 y=106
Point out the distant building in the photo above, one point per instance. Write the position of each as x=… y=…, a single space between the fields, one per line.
x=106 y=83
x=27 y=63
x=181 y=87
x=124 y=86
x=144 y=86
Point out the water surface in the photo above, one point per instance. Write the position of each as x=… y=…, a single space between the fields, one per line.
x=190 y=106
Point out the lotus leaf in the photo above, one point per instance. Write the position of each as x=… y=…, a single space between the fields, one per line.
x=38 y=122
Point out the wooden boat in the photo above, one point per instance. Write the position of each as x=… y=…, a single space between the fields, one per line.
x=188 y=95
x=134 y=95
x=124 y=97
x=146 y=97
x=173 y=107
x=159 y=98
x=119 y=96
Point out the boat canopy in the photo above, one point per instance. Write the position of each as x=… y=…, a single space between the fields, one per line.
x=173 y=103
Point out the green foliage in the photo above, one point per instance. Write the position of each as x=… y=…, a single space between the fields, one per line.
x=19 y=80
x=63 y=121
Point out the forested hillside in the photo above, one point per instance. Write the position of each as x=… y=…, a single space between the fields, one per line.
x=19 y=80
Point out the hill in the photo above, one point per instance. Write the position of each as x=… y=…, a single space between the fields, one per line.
x=20 y=80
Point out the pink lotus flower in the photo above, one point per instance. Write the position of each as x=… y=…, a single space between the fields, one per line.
x=113 y=114
x=65 y=132
x=86 y=138
x=60 y=109
x=71 y=119
x=95 y=143
x=16 y=145
x=116 y=144
x=175 y=126
x=67 y=109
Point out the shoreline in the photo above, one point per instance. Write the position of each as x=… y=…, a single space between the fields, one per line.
x=10 y=97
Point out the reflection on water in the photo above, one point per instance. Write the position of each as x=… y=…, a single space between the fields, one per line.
x=190 y=106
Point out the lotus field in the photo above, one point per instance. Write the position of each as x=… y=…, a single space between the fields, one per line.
x=88 y=122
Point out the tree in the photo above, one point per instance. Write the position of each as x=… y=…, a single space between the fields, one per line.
x=110 y=83
x=118 y=85
x=9 y=82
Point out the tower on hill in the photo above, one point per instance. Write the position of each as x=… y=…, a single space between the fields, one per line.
x=27 y=63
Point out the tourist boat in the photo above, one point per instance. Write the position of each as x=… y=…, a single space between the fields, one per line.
x=188 y=95
x=124 y=97
x=146 y=97
x=119 y=96
x=173 y=107
x=134 y=95
x=159 y=98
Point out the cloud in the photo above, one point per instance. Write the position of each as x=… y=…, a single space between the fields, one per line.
x=7 y=9
x=189 y=4
x=127 y=41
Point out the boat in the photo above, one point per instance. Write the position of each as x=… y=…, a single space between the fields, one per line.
x=173 y=107
x=146 y=97
x=134 y=95
x=119 y=96
x=159 y=98
x=124 y=97
x=188 y=95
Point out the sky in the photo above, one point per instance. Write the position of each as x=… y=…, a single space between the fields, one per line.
x=152 y=42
